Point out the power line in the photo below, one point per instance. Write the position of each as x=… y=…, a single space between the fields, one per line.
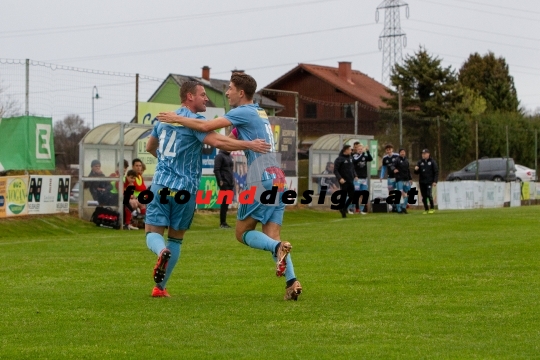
x=306 y=61
x=511 y=65
x=191 y=47
x=138 y=23
x=476 y=30
x=469 y=38
x=460 y=63
x=500 y=7
x=477 y=10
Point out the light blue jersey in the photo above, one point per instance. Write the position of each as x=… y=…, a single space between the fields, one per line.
x=179 y=154
x=252 y=123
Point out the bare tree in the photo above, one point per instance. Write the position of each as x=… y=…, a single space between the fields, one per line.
x=8 y=105
x=67 y=135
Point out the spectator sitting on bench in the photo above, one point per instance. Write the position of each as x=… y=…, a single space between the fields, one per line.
x=100 y=190
x=330 y=182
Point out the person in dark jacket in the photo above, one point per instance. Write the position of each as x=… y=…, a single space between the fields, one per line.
x=402 y=173
x=361 y=157
x=428 y=172
x=223 y=169
x=99 y=189
x=344 y=171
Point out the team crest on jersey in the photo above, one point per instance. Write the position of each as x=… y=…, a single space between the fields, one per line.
x=262 y=114
x=429 y=163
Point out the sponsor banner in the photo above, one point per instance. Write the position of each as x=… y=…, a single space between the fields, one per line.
x=292 y=184
x=473 y=194
x=48 y=194
x=209 y=183
x=147 y=112
x=148 y=159
x=27 y=143
x=284 y=134
x=379 y=189
x=525 y=190
x=13 y=196
x=515 y=194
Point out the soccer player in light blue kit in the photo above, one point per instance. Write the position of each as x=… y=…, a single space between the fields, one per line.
x=179 y=153
x=251 y=122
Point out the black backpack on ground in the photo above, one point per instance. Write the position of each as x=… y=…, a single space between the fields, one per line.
x=106 y=217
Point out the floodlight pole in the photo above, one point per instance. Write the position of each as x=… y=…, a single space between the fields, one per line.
x=400 y=118
x=476 y=124
x=94 y=96
x=536 y=153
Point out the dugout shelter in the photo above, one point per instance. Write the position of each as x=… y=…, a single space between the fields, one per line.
x=326 y=149
x=110 y=144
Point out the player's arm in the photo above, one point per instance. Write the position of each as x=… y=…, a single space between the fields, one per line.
x=195 y=124
x=152 y=145
x=226 y=143
x=383 y=171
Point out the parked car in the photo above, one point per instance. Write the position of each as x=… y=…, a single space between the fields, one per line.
x=493 y=169
x=523 y=173
x=74 y=194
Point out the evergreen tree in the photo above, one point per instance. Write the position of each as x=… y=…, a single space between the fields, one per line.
x=490 y=76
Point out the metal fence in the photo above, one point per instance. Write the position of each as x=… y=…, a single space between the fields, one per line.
x=37 y=88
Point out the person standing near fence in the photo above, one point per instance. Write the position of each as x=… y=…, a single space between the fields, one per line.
x=388 y=161
x=403 y=180
x=428 y=176
x=361 y=157
x=344 y=171
x=223 y=169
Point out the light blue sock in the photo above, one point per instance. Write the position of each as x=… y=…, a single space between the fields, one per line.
x=155 y=242
x=259 y=240
x=362 y=207
x=289 y=271
x=175 y=246
x=405 y=201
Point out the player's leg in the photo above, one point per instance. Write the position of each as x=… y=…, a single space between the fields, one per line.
x=424 y=193
x=363 y=187
x=156 y=221
x=399 y=187
x=430 y=198
x=248 y=217
x=284 y=264
x=246 y=234
x=405 y=198
x=181 y=217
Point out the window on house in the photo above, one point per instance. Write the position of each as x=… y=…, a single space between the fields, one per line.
x=348 y=111
x=310 y=111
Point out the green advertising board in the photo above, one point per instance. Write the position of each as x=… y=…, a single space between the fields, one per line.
x=209 y=183
x=26 y=143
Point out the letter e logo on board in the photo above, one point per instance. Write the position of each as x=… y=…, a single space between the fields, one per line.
x=43 y=141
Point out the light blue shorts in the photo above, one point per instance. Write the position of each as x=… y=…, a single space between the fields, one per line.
x=174 y=215
x=261 y=212
x=391 y=184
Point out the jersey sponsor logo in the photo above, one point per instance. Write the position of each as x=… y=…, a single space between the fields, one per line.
x=262 y=114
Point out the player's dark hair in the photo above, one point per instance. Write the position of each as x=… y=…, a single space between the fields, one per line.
x=244 y=82
x=131 y=173
x=345 y=147
x=126 y=164
x=189 y=87
x=388 y=146
x=135 y=161
x=356 y=143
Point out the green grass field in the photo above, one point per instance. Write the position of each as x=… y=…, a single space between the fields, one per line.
x=456 y=284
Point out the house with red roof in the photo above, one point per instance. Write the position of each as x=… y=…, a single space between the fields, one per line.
x=327 y=97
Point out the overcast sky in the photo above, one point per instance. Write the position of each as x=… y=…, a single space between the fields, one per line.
x=266 y=38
